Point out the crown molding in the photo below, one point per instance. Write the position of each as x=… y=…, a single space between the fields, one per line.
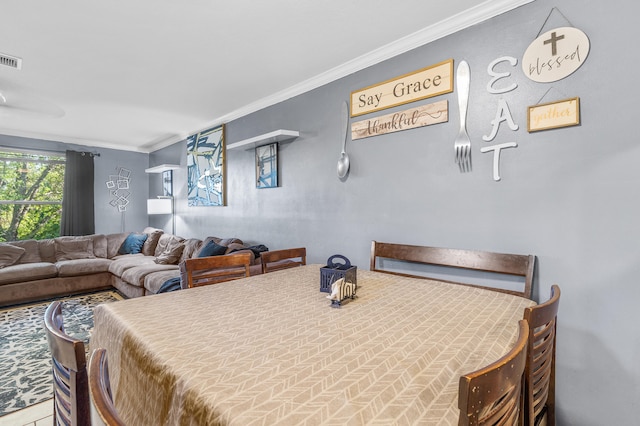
x=90 y=143
x=475 y=15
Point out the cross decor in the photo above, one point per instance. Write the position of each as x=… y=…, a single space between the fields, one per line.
x=555 y=54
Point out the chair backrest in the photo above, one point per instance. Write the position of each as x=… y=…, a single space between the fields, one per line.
x=100 y=388
x=70 y=388
x=201 y=271
x=283 y=259
x=540 y=374
x=500 y=263
x=493 y=394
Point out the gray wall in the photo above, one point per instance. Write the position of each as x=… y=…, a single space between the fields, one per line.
x=568 y=196
x=108 y=219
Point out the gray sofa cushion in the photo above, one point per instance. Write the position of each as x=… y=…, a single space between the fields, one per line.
x=47 y=250
x=99 y=245
x=75 y=267
x=123 y=262
x=27 y=272
x=31 y=251
x=68 y=248
x=154 y=280
x=136 y=275
x=114 y=241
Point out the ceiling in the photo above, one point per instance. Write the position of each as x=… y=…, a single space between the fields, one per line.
x=140 y=75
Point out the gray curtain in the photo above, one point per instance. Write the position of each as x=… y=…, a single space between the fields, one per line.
x=77 y=199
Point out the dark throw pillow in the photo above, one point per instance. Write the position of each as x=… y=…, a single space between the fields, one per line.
x=212 y=249
x=171 y=284
x=133 y=244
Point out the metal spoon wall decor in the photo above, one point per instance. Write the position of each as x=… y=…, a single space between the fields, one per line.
x=343 y=162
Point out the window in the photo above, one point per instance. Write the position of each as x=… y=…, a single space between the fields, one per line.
x=31 y=186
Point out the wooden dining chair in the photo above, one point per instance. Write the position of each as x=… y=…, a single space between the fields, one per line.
x=70 y=389
x=493 y=394
x=470 y=260
x=201 y=271
x=100 y=388
x=283 y=259
x=540 y=373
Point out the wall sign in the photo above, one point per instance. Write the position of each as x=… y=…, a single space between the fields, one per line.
x=555 y=54
x=553 y=115
x=425 y=115
x=503 y=113
x=424 y=83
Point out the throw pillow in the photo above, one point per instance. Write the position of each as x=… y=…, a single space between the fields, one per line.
x=9 y=254
x=133 y=243
x=31 y=251
x=212 y=249
x=171 y=254
x=73 y=248
x=149 y=246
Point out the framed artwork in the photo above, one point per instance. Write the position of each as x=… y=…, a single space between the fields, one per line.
x=206 y=170
x=267 y=166
x=167 y=183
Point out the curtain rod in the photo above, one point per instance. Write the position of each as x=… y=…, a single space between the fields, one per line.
x=92 y=154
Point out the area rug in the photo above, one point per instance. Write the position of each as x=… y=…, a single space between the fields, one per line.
x=25 y=360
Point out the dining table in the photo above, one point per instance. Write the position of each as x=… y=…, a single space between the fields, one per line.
x=271 y=349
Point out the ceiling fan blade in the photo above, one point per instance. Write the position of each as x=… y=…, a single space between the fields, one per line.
x=19 y=102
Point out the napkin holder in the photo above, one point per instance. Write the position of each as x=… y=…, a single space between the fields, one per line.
x=333 y=271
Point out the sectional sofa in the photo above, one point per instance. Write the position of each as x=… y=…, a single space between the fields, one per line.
x=137 y=264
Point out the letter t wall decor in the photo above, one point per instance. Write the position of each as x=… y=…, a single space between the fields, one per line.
x=206 y=171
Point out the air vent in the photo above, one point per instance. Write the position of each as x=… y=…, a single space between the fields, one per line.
x=10 y=61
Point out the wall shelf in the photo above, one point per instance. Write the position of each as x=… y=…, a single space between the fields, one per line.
x=162 y=168
x=275 y=136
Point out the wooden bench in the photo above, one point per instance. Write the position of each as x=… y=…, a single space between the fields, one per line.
x=499 y=263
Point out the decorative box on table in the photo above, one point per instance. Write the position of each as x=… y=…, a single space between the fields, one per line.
x=336 y=270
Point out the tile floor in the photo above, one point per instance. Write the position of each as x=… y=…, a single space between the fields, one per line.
x=36 y=415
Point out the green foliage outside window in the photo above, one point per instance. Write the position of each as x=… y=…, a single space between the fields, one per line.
x=31 y=187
